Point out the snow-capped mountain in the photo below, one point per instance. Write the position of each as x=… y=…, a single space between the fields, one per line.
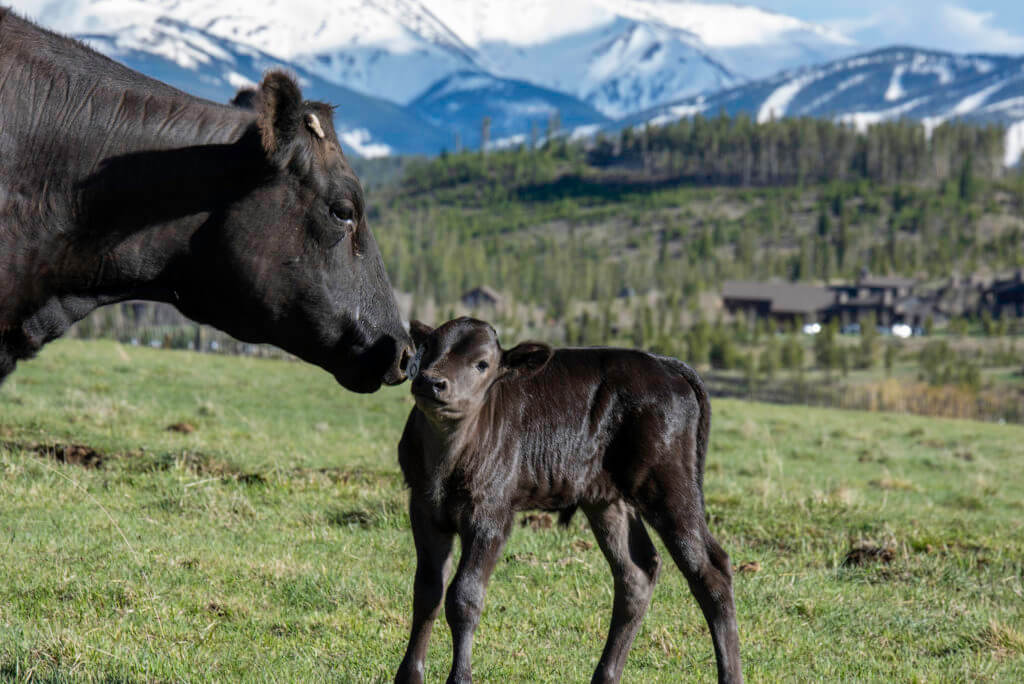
x=215 y=68
x=878 y=86
x=462 y=100
x=619 y=56
x=415 y=76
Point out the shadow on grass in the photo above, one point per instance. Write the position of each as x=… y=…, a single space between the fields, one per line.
x=387 y=514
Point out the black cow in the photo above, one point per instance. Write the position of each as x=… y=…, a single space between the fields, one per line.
x=115 y=186
x=621 y=434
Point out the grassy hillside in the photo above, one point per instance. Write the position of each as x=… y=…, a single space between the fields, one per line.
x=267 y=538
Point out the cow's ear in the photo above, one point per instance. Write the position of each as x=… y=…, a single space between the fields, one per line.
x=419 y=332
x=246 y=98
x=528 y=357
x=280 y=111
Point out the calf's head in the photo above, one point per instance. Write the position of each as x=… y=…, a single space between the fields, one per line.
x=456 y=365
x=292 y=260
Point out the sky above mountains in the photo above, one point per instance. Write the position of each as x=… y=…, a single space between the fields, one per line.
x=950 y=25
x=985 y=26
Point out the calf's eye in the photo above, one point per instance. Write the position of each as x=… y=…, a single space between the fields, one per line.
x=482 y=366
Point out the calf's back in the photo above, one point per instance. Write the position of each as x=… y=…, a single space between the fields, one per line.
x=589 y=427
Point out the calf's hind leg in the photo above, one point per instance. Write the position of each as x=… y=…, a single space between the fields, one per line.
x=635 y=563
x=433 y=560
x=680 y=523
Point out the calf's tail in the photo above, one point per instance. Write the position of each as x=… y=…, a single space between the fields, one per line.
x=703 y=420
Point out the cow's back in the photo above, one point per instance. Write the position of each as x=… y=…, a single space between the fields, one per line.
x=30 y=44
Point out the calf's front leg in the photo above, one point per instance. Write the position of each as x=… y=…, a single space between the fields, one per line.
x=433 y=560
x=481 y=546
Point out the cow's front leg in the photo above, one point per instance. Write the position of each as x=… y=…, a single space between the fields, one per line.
x=481 y=546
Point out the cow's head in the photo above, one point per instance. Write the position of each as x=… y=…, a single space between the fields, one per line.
x=292 y=261
x=458 y=362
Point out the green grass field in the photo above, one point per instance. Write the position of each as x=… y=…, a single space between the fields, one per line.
x=272 y=543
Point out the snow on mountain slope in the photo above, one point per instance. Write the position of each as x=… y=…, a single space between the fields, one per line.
x=617 y=68
x=214 y=68
x=353 y=43
x=1014 y=144
x=624 y=55
x=878 y=86
x=747 y=40
x=463 y=100
x=620 y=56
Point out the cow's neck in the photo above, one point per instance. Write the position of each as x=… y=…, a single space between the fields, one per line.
x=113 y=185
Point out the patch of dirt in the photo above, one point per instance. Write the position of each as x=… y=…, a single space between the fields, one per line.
x=964 y=455
x=217 y=609
x=864 y=553
x=251 y=479
x=749 y=566
x=582 y=545
x=537 y=521
x=72 y=454
x=182 y=428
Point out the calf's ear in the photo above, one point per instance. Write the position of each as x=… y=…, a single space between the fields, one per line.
x=419 y=332
x=280 y=111
x=528 y=357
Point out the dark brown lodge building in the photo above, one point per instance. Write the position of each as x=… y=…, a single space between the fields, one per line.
x=1006 y=297
x=889 y=299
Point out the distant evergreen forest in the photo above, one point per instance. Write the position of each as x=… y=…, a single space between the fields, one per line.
x=577 y=234
x=682 y=207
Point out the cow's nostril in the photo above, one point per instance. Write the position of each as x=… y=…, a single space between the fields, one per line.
x=441 y=385
x=403 y=362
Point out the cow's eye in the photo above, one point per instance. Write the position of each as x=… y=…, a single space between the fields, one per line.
x=482 y=366
x=344 y=214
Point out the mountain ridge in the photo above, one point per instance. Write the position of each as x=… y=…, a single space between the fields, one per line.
x=888 y=83
x=619 y=57
x=443 y=65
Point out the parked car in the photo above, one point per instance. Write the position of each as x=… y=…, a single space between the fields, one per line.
x=902 y=330
x=850 y=329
